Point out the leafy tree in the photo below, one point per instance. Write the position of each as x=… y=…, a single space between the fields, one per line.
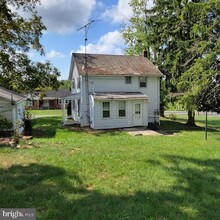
x=19 y=35
x=65 y=84
x=183 y=36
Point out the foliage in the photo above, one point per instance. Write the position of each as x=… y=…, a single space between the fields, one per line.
x=18 y=36
x=209 y=97
x=164 y=100
x=65 y=84
x=172 y=117
x=183 y=39
x=5 y=123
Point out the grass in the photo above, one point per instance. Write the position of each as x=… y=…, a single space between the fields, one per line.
x=47 y=112
x=71 y=173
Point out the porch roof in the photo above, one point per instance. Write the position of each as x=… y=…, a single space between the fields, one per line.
x=120 y=96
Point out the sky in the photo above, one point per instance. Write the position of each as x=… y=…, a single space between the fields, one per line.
x=63 y=18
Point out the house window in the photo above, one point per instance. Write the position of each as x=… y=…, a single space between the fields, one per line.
x=78 y=83
x=128 y=79
x=29 y=103
x=59 y=102
x=106 y=109
x=143 y=81
x=121 y=109
x=73 y=83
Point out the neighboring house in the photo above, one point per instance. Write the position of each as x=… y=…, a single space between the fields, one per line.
x=51 y=100
x=113 y=91
x=12 y=106
x=32 y=101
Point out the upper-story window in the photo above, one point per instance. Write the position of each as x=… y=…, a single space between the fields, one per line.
x=128 y=79
x=143 y=81
x=78 y=83
x=73 y=84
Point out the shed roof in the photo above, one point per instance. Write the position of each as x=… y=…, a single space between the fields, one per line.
x=103 y=64
x=11 y=95
x=120 y=96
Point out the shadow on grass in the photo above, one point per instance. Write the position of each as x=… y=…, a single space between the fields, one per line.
x=90 y=131
x=180 y=125
x=45 y=127
x=57 y=194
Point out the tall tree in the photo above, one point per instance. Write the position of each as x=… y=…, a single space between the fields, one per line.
x=19 y=35
x=183 y=34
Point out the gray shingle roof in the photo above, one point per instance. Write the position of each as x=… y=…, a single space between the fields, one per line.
x=57 y=94
x=11 y=95
x=102 y=64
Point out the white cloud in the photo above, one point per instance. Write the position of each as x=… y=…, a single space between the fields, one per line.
x=54 y=54
x=110 y=43
x=121 y=11
x=63 y=16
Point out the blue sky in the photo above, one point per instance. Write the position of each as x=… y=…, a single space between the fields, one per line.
x=62 y=19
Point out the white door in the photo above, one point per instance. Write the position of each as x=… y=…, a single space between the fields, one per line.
x=137 y=114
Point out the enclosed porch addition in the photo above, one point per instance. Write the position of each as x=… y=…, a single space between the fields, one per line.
x=118 y=110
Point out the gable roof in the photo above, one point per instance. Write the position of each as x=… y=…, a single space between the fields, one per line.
x=103 y=64
x=56 y=94
x=10 y=95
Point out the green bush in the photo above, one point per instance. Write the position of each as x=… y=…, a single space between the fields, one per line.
x=5 y=123
x=172 y=117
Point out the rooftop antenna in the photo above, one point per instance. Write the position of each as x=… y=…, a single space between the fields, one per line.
x=86 y=29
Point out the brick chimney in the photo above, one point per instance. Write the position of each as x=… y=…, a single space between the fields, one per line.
x=144 y=53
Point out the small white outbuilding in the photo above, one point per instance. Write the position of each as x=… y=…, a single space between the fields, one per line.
x=12 y=107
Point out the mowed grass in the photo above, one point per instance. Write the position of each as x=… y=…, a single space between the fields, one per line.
x=73 y=173
x=46 y=112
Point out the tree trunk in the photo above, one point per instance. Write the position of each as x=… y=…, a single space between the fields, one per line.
x=191 y=118
x=162 y=110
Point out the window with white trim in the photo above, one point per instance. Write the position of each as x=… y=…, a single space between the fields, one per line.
x=127 y=79
x=143 y=81
x=121 y=109
x=78 y=83
x=29 y=103
x=73 y=84
x=106 y=109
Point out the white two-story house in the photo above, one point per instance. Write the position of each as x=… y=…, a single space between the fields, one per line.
x=114 y=91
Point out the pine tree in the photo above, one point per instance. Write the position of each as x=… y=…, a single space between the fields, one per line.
x=183 y=39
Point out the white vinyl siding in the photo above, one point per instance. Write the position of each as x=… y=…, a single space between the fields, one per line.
x=13 y=113
x=117 y=122
x=6 y=109
x=116 y=84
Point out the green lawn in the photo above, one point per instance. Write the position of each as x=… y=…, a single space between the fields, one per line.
x=70 y=173
x=48 y=112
